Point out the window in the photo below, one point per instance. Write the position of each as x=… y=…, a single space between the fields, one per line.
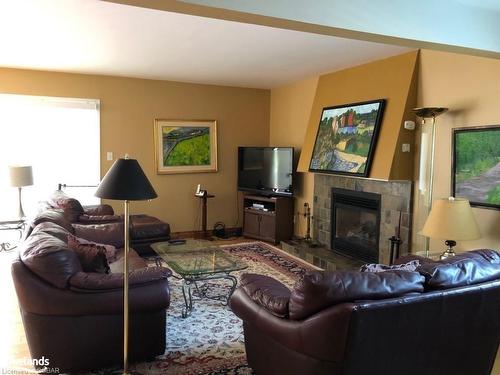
x=58 y=137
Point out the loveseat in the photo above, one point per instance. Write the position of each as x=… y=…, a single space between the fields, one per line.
x=144 y=229
x=442 y=318
x=74 y=318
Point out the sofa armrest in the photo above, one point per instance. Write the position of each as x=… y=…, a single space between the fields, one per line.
x=267 y=292
x=322 y=335
x=108 y=233
x=39 y=297
x=97 y=282
x=98 y=219
x=98 y=209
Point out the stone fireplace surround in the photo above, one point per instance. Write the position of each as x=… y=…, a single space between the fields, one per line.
x=396 y=196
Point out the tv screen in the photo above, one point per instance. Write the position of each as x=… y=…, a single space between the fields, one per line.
x=266 y=170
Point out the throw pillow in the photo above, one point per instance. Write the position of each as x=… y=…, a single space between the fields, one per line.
x=92 y=257
x=374 y=267
x=110 y=250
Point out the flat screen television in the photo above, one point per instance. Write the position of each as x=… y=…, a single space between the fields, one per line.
x=266 y=170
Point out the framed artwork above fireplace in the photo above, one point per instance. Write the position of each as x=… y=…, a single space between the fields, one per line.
x=346 y=138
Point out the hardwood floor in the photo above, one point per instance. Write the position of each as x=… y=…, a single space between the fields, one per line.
x=13 y=346
x=14 y=350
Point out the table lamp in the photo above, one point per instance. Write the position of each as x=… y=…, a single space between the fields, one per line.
x=127 y=182
x=451 y=219
x=21 y=176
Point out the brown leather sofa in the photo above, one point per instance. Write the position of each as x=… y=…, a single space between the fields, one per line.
x=74 y=318
x=442 y=319
x=144 y=229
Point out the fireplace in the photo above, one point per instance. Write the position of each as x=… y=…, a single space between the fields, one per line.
x=355 y=223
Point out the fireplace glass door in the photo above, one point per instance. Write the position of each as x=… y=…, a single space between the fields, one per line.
x=356 y=224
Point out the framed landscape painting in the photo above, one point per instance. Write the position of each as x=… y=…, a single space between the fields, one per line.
x=476 y=165
x=185 y=146
x=346 y=138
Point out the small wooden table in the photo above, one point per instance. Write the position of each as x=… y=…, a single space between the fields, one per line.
x=16 y=225
x=204 y=198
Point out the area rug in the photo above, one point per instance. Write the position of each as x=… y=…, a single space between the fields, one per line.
x=210 y=341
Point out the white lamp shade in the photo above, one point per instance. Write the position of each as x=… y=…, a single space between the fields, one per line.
x=451 y=219
x=21 y=176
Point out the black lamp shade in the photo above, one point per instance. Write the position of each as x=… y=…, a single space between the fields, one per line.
x=125 y=181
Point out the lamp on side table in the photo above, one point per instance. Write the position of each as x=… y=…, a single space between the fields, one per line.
x=451 y=219
x=21 y=176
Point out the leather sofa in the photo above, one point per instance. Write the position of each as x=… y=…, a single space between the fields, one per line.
x=144 y=229
x=74 y=318
x=442 y=318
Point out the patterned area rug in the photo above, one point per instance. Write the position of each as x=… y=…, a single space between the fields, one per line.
x=210 y=341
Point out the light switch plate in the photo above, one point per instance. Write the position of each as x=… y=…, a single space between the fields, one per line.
x=409 y=125
x=109 y=156
x=406 y=147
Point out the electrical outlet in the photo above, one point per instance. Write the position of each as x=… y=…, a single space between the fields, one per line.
x=109 y=156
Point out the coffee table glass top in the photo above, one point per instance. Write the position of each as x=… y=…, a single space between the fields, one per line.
x=197 y=257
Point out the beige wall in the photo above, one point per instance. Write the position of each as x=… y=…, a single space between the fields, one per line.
x=290 y=111
x=128 y=108
x=469 y=87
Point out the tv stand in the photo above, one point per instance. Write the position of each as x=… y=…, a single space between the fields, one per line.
x=268 y=218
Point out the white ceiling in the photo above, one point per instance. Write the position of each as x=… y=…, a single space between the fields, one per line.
x=88 y=36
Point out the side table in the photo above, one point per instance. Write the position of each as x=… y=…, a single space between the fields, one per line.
x=15 y=225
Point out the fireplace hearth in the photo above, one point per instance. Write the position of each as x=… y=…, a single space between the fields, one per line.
x=355 y=224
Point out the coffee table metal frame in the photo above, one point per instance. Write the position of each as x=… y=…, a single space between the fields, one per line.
x=191 y=278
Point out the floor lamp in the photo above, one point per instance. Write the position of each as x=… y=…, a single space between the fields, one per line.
x=426 y=165
x=127 y=182
x=21 y=176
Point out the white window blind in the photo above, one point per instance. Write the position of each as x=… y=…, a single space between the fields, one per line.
x=58 y=137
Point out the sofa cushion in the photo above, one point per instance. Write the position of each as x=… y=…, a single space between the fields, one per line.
x=267 y=292
x=110 y=233
x=317 y=290
x=98 y=219
x=109 y=250
x=53 y=216
x=71 y=207
x=135 y=262
x=468 y=268
x=94 y=281
x=99 y=210
x=49 y=258
x=52 y=229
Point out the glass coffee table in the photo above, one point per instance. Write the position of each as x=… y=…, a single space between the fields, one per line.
x=198 y=261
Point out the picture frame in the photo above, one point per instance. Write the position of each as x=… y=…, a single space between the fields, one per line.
x=475 y=165
x=185 y=146
x=346 y=138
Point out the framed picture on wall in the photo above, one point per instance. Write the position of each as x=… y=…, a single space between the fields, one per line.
x=185 y=146
x=476 y=165
x=346 y=138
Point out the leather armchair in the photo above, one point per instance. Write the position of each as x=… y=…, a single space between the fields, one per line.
x=74 y=318
x=398 y=322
